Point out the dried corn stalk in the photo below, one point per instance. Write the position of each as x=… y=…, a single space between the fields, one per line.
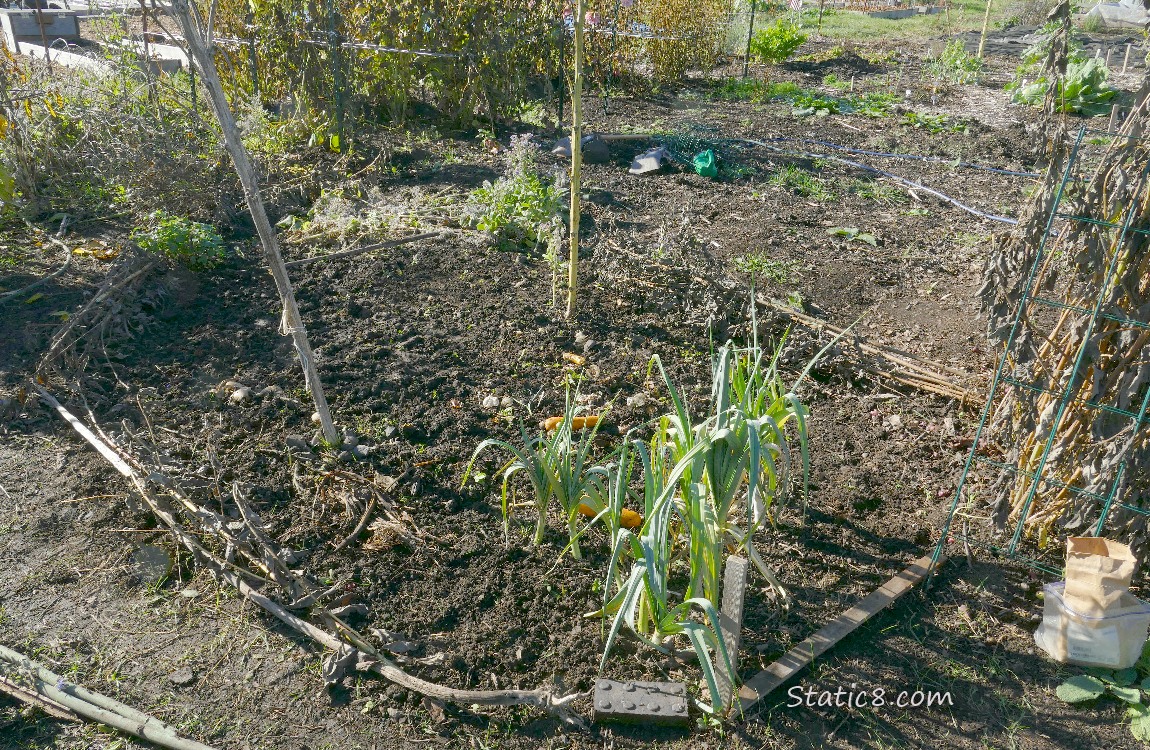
x=1070 y=386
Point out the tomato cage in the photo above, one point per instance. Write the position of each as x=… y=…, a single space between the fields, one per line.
x=1062 y=446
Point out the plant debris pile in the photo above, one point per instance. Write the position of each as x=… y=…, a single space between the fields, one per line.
x=1077 y=370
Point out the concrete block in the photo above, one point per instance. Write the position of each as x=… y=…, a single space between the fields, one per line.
x=167 y=58
x=24 y=26
x=63 y=57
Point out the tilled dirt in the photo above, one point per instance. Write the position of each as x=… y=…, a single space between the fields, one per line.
x=411 y=340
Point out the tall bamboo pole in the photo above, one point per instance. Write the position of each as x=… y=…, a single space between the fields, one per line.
x=751 y=33
x=292 y=324
x=985 y=29
x=576 y=156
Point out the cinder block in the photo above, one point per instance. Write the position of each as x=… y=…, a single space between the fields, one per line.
x=24 y=26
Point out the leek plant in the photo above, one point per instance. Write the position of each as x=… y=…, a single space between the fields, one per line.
x=742 y=467
x=643 y=601
x=559 y=468
x=722 y=476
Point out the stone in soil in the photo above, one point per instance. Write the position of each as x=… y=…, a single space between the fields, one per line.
x=182 y=677
x=298 y=443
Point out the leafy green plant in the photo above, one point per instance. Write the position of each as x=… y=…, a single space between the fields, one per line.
x=955 y=65
x=559 y=469
x=190 y=243
x=777 y=42
x=816 y=104
x=830 y=80
x=852 y=234
x=934 y=123
x=741 y=89
x=1083 y=90
x=799 y=180
x=878 y=192
x=521 y=207
x=761 y=266
x=873 y=104
x=1127 y=685
x=708 y=485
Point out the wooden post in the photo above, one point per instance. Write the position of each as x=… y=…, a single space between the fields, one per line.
x=751 y=30
x=1126 y=60
x=292 y=325
x=985 y=28
x=39 y=13
x=1109 y=50
x=576 y=157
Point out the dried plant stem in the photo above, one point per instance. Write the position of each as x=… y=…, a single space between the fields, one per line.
x=292 y=324
x=270 y=559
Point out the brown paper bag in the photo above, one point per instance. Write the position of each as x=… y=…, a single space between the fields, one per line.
x=1098 y=573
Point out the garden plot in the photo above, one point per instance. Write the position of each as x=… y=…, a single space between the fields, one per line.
x=431 y=347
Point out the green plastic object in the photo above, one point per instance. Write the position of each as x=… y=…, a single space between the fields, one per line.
x=705 y=163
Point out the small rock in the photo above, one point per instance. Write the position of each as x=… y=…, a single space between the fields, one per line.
x=315 y=417
x=394 y=713
x=390 y=431
x=240 y=395
x=298 y=443
x=349 y=439
x=505 y=402
x=895 y=421
x=581 y=338
x=182 y=677
x=638 y=401
x=271 y=390
x=415 y=488
x=359 y=451
x=346 y=457
x=491 y=403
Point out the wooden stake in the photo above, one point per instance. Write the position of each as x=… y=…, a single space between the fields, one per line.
x=291 y=324
x=1126 y=60
x=985 y=28
x=576 y=158
x=751 y=29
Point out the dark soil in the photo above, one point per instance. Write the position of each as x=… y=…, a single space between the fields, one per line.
x=410 y=341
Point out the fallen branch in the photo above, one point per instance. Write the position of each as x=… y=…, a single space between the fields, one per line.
x=352 y=650
x=60 y=339
x=61 y=696
x=39 y=282
x=359 y=528
x=362 y=250
x=24 y=695
x=902 y=367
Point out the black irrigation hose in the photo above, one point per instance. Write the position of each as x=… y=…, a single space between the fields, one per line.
x=889 y=175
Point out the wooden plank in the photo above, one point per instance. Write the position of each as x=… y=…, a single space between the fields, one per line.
x=792 y=662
